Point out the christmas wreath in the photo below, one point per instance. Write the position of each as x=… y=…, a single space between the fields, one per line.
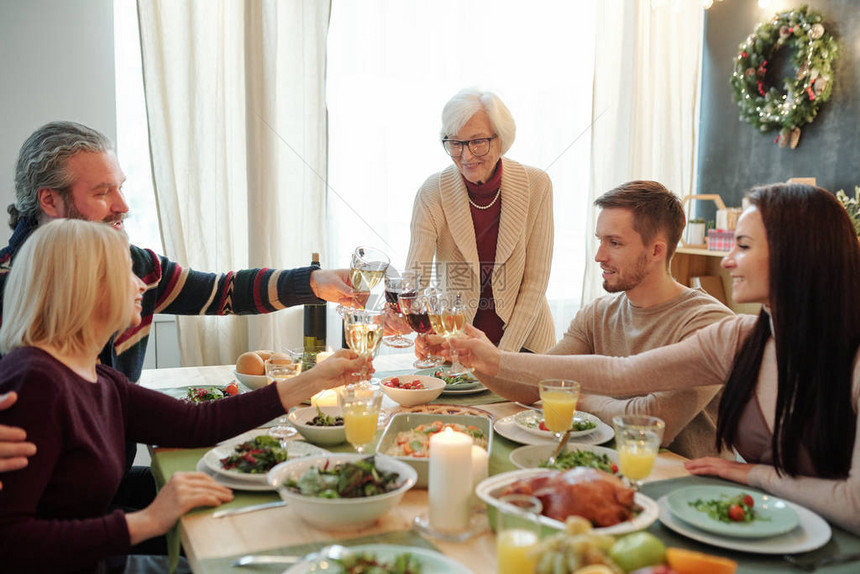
x=768 y=108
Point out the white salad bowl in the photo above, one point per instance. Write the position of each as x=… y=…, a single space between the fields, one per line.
x=433 y=387
x=253 y=382
x=321 y=436
x=340 y=513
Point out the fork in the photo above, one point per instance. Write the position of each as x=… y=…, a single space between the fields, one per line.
x=813 y=565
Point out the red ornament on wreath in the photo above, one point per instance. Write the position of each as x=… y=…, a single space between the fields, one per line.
x=797 y=104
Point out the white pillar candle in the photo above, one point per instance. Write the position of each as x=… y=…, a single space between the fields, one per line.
x=449 y=495
x=327 y=398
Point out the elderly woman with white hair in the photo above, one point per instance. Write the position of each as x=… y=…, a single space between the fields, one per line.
x=488 y=221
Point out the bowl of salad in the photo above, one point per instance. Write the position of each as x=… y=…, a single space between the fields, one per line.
x=342 y=491
x=412 y=390
x=321 y=426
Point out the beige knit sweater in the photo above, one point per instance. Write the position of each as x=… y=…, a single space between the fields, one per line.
x=442 y=228
x=706 y=359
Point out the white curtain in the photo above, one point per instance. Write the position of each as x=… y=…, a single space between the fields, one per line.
x=646 y=92
x=235 y=103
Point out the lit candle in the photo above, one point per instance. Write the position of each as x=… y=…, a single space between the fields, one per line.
x=480 y=470
x=449 y=496
x=327 y=398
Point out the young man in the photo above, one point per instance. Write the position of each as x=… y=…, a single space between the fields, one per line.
x=639 y=226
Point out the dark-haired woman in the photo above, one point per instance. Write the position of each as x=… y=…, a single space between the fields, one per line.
x=791 y=375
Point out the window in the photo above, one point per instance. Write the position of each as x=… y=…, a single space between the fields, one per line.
x=392 y=66
x=131 y=130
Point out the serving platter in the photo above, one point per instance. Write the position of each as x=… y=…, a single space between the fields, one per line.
x=491 y=488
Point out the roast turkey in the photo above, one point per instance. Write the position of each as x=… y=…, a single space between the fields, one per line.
x=593 y=494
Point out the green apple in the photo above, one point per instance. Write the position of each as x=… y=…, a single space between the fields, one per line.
x=637 y=550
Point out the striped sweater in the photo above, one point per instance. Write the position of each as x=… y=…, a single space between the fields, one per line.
x=176 y=291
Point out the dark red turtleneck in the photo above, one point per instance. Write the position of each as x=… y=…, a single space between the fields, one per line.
x=486 y=223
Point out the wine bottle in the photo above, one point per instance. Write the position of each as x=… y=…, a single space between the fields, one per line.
x=315 y=320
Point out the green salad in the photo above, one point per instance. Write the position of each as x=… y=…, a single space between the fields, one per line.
x=458 y=380
x=324 y=420
x=575 y=458
x=737 y=508
x=367 y=563
x=256 y=456
x=344 y=480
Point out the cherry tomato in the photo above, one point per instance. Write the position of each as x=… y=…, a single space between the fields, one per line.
x=614 y=468
x=736 y=513
x=748 y=501
x=232 y=389
x=542 y=426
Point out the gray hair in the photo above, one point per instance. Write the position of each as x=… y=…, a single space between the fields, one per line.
x=42 y=163
x=469 y=101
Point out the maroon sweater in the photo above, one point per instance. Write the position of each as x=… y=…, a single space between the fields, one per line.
x=54 y=512
x=486 y=223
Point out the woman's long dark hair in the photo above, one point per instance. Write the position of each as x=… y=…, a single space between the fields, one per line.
x=814 y=267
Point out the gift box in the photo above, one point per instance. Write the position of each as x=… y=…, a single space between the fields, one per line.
x=720 y=239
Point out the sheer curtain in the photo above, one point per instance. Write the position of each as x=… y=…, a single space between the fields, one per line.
x=235 y=103
x=646 y=93
x=393 y=65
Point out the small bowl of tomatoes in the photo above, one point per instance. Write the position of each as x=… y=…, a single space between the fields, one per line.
x=412 y=390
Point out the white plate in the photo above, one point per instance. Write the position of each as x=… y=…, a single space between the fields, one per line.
x=531 y=456
x=488 y=488
x=509 y=429
x=812 y=532
x=530 y=419
x=230 y=482
x=295 y=449
x=471 y=391
x=472 y=388
x=431 y=562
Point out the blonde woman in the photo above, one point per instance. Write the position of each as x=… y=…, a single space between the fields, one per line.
x=71 y=288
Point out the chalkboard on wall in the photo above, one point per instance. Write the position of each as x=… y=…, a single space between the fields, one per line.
x=733 y=155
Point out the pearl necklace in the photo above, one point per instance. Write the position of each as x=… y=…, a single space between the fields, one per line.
x=489 y=205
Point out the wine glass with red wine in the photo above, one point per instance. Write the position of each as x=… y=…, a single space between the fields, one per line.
x=414 y=306
x=395 y=286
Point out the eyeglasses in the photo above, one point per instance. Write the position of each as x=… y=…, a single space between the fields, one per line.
x=478 y=146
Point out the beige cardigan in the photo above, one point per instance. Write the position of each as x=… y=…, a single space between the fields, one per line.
x=442 y=227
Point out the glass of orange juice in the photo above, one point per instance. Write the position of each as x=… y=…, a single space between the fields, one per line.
x=360 y=405
x=517 y=532
x=638 y=439
x=559 y=397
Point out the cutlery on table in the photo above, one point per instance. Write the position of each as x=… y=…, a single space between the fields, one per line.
x=333 y=552
x=525 y=406
x=244 y=509
x=560 y=448
x=813 y=565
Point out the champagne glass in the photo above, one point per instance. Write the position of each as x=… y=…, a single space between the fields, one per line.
x=360 y=405
x=558 y=397
x=364 y=330
x=367 y=267
x=394 y=286
x=517 y=532
x=448 y=317
x=280 y=367
x=638 y=439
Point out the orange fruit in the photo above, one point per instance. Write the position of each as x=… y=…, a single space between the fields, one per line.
x=690 y=562
x=250 y=363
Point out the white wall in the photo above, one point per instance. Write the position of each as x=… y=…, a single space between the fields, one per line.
x=56 y=62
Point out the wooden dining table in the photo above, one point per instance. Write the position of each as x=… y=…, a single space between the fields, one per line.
x=211 y=544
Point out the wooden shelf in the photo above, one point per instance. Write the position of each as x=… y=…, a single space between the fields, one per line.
x=696 y=262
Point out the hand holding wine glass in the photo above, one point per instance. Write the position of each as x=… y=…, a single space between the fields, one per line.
x=448 y=318
x=394 y=287
x=638 y=439
x=415 y=309
x=364 y=330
